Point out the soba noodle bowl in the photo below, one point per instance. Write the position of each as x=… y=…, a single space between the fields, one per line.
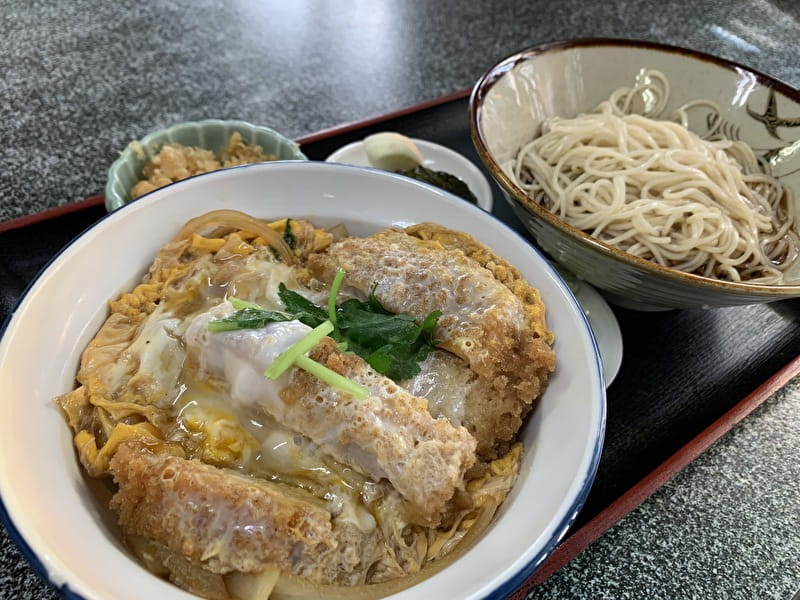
x=633 y=179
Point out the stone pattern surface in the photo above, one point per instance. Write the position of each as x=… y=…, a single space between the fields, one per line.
x=79 y=80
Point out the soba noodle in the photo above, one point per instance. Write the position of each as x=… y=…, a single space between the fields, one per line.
x=657 y=190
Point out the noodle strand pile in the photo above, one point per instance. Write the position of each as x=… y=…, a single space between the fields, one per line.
x=657 y=190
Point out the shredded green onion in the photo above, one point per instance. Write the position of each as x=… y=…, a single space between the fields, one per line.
x=335 y=285
x=240 y=304
x=332 y=378
x=295 y=355
x=289 y=356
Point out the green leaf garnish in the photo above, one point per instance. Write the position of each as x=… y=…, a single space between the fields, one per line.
x=392 y=344
x=301 y=307
x=248 y=318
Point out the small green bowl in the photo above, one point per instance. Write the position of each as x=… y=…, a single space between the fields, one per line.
x=211 y=134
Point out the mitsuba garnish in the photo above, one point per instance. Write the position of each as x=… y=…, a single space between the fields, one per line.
x=392 y=344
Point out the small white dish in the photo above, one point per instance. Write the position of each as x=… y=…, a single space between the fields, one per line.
x=436 y=157
x=601 y=319
x=605 y=328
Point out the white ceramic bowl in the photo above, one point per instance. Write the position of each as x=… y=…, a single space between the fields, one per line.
x=566 y=78
x=434 y=156
x=48 y=508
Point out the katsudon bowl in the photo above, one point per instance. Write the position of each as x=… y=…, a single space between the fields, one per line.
x=52 y=510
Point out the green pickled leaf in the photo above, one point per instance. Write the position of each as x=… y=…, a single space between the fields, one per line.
x=441 y=179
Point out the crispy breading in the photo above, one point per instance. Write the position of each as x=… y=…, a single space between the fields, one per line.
x=492 y=319
x=424 y=458
x=218 y=518
x=503 y=271
x=389 y=435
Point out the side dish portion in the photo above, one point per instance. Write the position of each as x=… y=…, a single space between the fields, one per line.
x=174 y=162
x=244 y=465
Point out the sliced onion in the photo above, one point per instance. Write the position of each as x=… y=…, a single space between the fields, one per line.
x=241 y=221
x=339 y=232
x=291 y=587
x=252 y=586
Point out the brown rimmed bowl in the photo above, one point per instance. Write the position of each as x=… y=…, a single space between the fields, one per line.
x=563 y=79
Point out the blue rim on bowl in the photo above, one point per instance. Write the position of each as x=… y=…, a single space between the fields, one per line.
x=571 y=317
x=212 y=134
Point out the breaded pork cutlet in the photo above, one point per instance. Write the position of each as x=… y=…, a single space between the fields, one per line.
x=389 y=435
x=492 y=319
x=216 y=517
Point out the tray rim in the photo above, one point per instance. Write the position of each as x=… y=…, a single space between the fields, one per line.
x=576 y=541
x=648 y=485
x=52 y=213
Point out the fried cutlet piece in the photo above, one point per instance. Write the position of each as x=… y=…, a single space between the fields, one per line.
x=492 y=319
x=389 y=435
x=217 y=518
x=424 y=458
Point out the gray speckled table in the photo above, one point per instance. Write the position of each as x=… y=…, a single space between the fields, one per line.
x=79 y=80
